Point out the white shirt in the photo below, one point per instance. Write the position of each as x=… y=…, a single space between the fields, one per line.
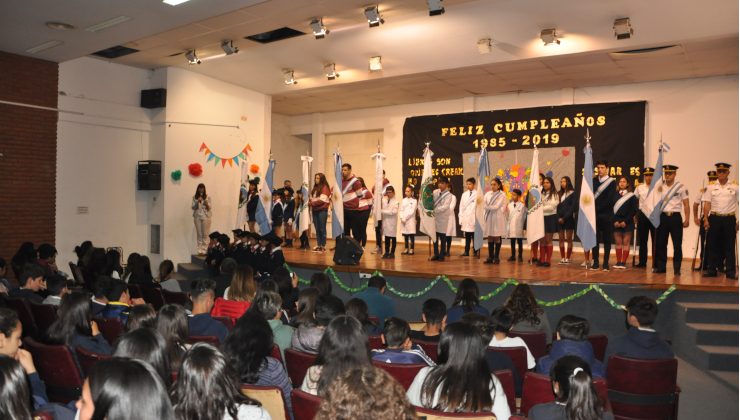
x=466 y=214
x=723 y=198
x=249 y=412
x=514 y=342
x=675 y=201
x=389 y=212
x=641 y=191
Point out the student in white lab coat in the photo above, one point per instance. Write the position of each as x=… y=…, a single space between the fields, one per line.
x=452 y=226
x=466 y=214
x=442 y=215
x=407 y=214
x=495 y=220
x=389 y=212
x=516 y=214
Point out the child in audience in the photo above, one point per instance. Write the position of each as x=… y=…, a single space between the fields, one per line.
x=56 y=285
x=389 y=210
x=434 y=315
x=146 y=345
x=495 y=360
x=101 y=288
x=31 y=281
x=357 y=308
x=516 y=214
x=528 y=316
x=165 y=280
x=308 y=336
x=399 y=348
x=141 y=316
x=14 y=389
x=275 y=257
x=305 y=306
x=119 y=302
x=575 y=396
x=641 y=340
x=5 y=285
x=172 y=323
x=200 y=322
x=572 y=339
x=74 y=326
x=238 y=296
x=269 y=305
x=466 y=300
x=47 y=254
x=503 y=320
x=321 y=282
x=407 y=215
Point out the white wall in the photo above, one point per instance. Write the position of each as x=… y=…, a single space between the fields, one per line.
x=697 y=117
x=289 y=148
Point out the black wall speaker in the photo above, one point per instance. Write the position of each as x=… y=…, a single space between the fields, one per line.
x=149 y=174
x=347 y=252
x=154 y=98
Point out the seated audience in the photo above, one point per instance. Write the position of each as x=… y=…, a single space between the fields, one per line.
x=248 y=348
x=200 y=322
x=108 y=392
x=378 y=304
x=5 y=285
x=238 y=296
x=74 y=326
x=208 y=388
x=113 y=264
x=321 y=282
x=269 y=305
x=141 y=316
x=47 y=255
x=225 y=276
x=119 y=302
x=528 y=316
x=502 y=320
x=343 y=346
x=56 y=285
x=14 y=390
x=572 y=339
x=434 y=315
x=306 y=338
x=399 y=348
x=100 y=288
x=142 y=274
x=287 y=287
x=575 y=396
x=26 y=254
x=365 y=393
x=495 y=360
x=133 y=260
x=166 y=280
x=466 y=300
x=95 y=266
x=81 y=251
x=641 y=340
x=357 y=308
x=30 y=282
x=305 y=306
x=172 y=323
x=461 y=381
x=146 y=345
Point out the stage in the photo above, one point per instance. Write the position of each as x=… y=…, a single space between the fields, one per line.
x=457 y=268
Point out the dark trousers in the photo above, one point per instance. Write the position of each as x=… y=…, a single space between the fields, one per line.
x=351 y=218
x=360 y=232
x=407 y=239
x=721 y=242
x=440 y=245
x=644 y=228
x=468 y=240
x=378 y=233
x=669 y=225
x=604 y=235
x=390 y=245
x=514 y=243
x=304 y=239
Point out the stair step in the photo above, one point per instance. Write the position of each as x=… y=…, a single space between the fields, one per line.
x=722 y=358
x=715 y=334
x=724 y=313
x=188 y=267
x=198 y=259
x=728 y=378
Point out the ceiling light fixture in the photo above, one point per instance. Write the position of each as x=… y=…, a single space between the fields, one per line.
x=623 y=28
x=549 y=37
x=484 y=46
x=372 y=13
x=318 y=28
x=228 y=47
x=44 y=46
x=108 y=23
x=331 y=71
x=289 y=77
x=174 y=2
x=60 y=26
x=374 y=63
x=435 y=7
x=191 y=57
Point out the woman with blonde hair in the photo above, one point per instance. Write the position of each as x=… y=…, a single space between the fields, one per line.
x=238 y=296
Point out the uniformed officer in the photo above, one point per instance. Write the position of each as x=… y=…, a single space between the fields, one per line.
x=644 y=227
x=698 y=217
x=720 y=220
x=673 y=199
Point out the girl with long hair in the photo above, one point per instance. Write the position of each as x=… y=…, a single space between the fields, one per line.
x=133 y=260
x=495 y=220
x=172 y=323
x=14 y=392
x=75 y=327
x=466 y=300
x=238 y=296
x=550 y=201
x=113 y=264
x=566 y=219
x=363 y=213
x=146 y=345
x=201 y=217
x=625 y=210
x=528 y=315
x=305 y=306
x=407 y=216
x=461 y=380
x=319 y=202
x=165 y=280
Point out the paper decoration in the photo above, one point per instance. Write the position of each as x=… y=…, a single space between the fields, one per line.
x=232 y=161
x=176 y=175
x=254 y=168
x=195 y=169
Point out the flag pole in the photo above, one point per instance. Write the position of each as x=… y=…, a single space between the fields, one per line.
x=587 y=253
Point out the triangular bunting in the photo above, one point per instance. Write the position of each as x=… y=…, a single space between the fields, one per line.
x=202 y=146
x=223 y=163
x=211 y=156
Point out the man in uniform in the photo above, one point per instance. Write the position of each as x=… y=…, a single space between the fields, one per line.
x=605 y=193
x=442 y=212
x=698 y=217
x=644 y=227
x=720 y=220
x=673 y=198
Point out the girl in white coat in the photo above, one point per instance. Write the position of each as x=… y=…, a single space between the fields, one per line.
x=495 y=220
x=516 y=214
x=407 y=214
x=389 y=212
x=550 y=201
x=466 y=214
x=452 y=226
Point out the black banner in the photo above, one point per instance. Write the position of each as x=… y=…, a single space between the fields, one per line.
x=617 y=133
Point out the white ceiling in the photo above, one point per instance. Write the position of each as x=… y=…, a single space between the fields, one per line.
x=424 y=58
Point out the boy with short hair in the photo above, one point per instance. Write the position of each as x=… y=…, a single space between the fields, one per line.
x=502 y=320
x=434 y=315
x=466 y=214
x=516 y=215
x=57 y=287
x=31 y=281
x=200 y=322
x=399 y=348
x=119 y=302
x=641 y=340
x=442 y=200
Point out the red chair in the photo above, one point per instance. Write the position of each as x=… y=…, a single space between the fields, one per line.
x=44 y=315
x=536 y=342
x=152 y=296
x=404 y=374
x=179 y=298
x=57 y=368
x=599 y=343
x=643 y=389
x=429 y=414
x=111 y=328
x=87 y=359
x=375 y=342
x=537 y=389
x=518 y=356
x=275 y=353
x=271 y=398
x=204 y=339
x=77 y=274
x=506 y=377
x=297 y=363
x=228 y=322
x=305 y=405
x=42 y=415
x=429 y=348
x=23 y=308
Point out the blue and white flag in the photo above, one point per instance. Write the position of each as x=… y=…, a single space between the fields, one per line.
x=651 y=206
x=337 y=203
x=263 y=215
x=484 y=171
x=305 y=218
x=586 y=228
x=241 y=211
x=535 y=212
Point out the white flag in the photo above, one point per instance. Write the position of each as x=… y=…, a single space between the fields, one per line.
x=535 y=212
x=337 y=203
x=651 y=206
x=426 y=198
x=305 y=218
x=378 y=193
x=241 y=212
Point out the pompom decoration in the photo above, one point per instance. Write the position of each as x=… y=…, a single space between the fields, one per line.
x=565 y=152
x=195 y=169
x=254 y=168
x=176 y=175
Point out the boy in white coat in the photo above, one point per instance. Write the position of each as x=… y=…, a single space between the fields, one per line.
x=466 y=215
x=442 y=213
x=407 y=214
x=516 y=214
x=389 y=212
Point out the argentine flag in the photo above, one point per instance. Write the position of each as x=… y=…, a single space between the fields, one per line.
x=535 y=213
x=305 y=216
x=652 y=205
x=484 y=171
x=337 y=203
x=263 y=214
x=586 y=228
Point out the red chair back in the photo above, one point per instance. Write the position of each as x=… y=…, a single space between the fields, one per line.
x=271 y=398
x=536 y=342
x=599 y=343
x=643 y=388
x=375 y=342
x=428 y=413
x=87 y=359
x=297 y=363
x=23 y=308
x=179 y=298
x=228 y=322
x=429 y=347
x=506 y=377
x=44 y=315
x=229 y=308
x=204 y=339
x=404 y=374
x=152 y=296
x=518 y=356
x=58 y=370
x=537 y=389
x=111 y=328
x=305 y=405
x=275 y=353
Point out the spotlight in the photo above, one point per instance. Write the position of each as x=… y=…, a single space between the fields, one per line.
x=191 y=57
x=435 y=7
x=374 y=64
x=229 y=48
x=548 y=36
x=373 y=16
x=623 y=28
x=319 y=30
x=289 y=78
x=331 y=71
x=484 y=46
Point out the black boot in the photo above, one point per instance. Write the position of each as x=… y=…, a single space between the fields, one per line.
x=489 y=260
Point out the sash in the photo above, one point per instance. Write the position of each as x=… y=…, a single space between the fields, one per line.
x=494 y=197
x=673 y=191
x=441 y=196
x=346 y=189
x=618 y=205
x=603 y=187
x=566 y=195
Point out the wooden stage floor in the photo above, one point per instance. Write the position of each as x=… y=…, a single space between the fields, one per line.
x=457 y=268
